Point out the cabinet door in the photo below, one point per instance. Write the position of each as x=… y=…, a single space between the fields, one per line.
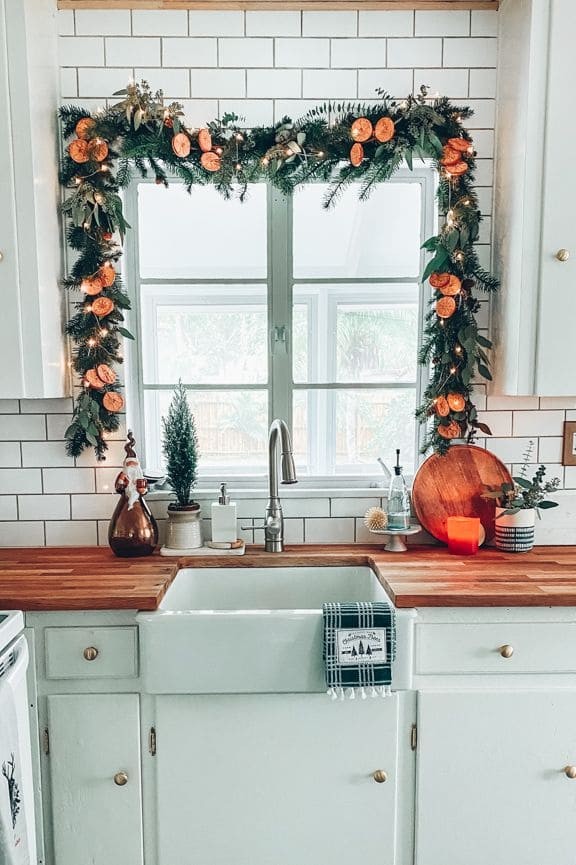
x=279 y=778
x=96 y=821
x=491 y=786
x=557 y=307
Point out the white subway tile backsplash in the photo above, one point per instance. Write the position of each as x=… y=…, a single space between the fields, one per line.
x=81 y=50
x=358 y=53
x=353 y=507
x=301 y=53
x=484 y=143
x=8 y=508
x=10 y=456
x=127 y=51
x=447 y=82
x=293 y=533
x=55 y=507
x=274 y=83
x=67 y=481
x=470 y=52
x=217 y=23
x=509 y=450
x=114 y=456
x=564 y=402
x=68 y=82
x=93 y=507
x=22 y=534
x=534 y=423
x=189 y=52
x=550 y=449
x=17 y=427
x=217 y=83
x=252 y=112
x=329 y=84
x=246 y=52
x=93 y=22
x=264 y=23
x=484 y=23
x=308 y=507
x=174 y=83
x=415 y=52
x=105 y=478
x=65 y=22
x=385 y=23
x=9 y=406
x=198 y=111
x=364 y=536
x=515 y=403
x=45 y=454
x=329 y=23
x=20 y=481
x=484 y=113
x=294 y=108
x=483 y=83
x=160 y=22
x=396 y=82
x=57 y=424
x=439 y=23
x=101 y=83
x=338 y=530
x=71 y=533
x=500 y=422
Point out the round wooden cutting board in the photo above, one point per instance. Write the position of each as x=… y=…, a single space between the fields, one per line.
x=452 y=485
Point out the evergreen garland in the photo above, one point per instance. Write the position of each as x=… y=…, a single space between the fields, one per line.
x=140 y=134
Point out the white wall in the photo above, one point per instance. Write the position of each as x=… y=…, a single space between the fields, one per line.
x=263 y=65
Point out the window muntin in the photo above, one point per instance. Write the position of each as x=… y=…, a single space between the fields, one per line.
x=260 y=327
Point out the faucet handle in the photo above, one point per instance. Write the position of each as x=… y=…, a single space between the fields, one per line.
x=251 y=528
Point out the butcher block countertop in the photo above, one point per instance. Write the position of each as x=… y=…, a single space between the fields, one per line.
x=92 y=578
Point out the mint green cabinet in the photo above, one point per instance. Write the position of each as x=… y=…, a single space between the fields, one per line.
x=95 y=783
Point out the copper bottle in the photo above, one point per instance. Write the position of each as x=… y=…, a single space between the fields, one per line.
x=133 y=530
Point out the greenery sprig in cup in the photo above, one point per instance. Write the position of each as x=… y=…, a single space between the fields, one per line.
x=524 y=494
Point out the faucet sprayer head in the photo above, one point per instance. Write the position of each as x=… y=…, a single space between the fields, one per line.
x=288 y=469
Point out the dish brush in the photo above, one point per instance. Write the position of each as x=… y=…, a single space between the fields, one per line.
x=375 y=519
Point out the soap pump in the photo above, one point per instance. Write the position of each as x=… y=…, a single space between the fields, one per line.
x=224 y=527
x=398 y=499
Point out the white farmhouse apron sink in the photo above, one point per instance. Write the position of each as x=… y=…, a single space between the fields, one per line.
x=246 y=630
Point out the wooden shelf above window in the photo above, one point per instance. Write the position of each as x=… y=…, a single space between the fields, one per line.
x=278 y=4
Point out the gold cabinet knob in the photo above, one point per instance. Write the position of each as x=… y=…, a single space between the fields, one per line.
x=570 y=772
x=1 y=256
x=506 y=651
x=90 y=653
x=121 y=778
x=563 y=254
x=380 y=776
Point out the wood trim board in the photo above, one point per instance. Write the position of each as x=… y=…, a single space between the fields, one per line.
x=270 y=5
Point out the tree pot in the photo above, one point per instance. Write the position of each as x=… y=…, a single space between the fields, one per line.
x=515 y=532
x=184 y=531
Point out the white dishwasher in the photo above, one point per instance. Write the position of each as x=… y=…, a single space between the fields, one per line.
x=17 y=834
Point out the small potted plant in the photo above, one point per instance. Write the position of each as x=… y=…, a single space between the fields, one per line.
x=180 y=447
x=517 y=505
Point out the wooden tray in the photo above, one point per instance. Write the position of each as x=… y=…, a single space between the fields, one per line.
x=453 y=485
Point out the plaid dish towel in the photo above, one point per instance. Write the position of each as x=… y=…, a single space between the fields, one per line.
x=359 y=647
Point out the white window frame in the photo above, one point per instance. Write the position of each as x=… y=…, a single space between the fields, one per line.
x=279 y=386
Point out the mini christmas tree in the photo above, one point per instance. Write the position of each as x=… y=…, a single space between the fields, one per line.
x=180 y=447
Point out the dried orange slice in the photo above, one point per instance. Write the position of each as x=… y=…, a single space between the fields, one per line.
x=204 y=140
x=107 y=275
x=98 y=150
x=181 y=145
x=102 y=306
x=457 y=170
x=78 y=150
x=450 y=156
x=84 y=127
x=462 y=145
x=356 y=154
x=384 y=130
x=456 y=401
x=210 y=161
x=92 y=378
x=361 y=129
x=113 y=401
x=439 y=280
x=442 y=407
x=448 y=431
x=452 y=287
x=106 y=373
x=445 y=307
x=92 y=285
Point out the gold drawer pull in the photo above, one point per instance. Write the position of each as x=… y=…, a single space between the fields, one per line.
x=506 y=651
x=563 y=255
x=90 y=653
x=570 y=772
x=380 y=776
x=121 y=778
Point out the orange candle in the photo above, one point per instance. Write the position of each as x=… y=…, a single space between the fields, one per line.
x=463 y=535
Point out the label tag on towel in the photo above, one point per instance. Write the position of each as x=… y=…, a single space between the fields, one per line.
x=361 y=646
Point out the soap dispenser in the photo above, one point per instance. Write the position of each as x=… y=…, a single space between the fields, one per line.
x=224 y=518
x=398 y=499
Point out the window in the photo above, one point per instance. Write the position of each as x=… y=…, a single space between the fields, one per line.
x=276 y=307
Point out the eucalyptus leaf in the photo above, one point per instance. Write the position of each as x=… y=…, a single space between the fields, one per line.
x=125 y=333
x=484 y=372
